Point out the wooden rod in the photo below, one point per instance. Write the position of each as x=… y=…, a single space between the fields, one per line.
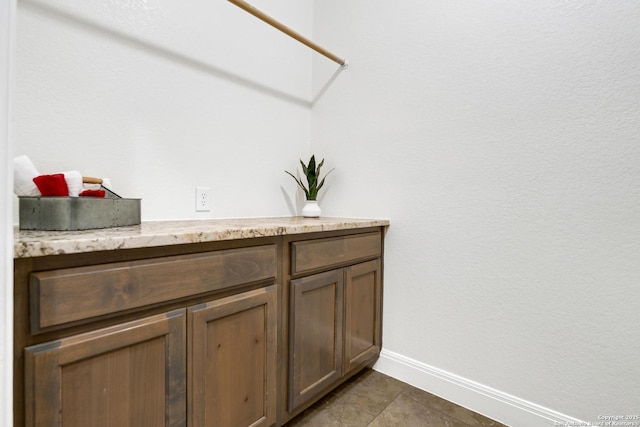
x=91 y=180
x=288 y=31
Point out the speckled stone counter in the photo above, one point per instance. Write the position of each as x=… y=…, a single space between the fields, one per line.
x=161 y=233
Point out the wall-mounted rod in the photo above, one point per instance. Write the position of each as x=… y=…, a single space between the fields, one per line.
x=288 y=31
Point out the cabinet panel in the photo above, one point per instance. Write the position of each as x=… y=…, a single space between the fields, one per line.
x=310 y=255
x=129 y=375
x=73 y=294
x=315 y=335
x=233 y=360
x=363 y=308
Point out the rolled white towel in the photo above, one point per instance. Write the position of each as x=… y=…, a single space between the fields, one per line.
x=87 y=186
x=74 y=182
x=23 y=173
x=106 y=182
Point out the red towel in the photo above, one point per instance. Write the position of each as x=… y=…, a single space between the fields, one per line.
x=52 y=185
x=93 y=193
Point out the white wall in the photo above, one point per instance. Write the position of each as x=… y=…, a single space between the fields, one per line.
x=7 y=19
x=163 y=96
x=502 y=140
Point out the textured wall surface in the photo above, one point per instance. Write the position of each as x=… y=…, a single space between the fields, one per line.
x=7 y=19
x=502 y=140
x=163 y=96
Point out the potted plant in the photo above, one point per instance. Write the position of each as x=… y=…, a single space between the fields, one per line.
x=314 y=184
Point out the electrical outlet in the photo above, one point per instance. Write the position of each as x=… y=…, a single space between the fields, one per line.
x=203 y=199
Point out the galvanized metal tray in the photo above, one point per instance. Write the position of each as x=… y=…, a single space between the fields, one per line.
x=77 y=213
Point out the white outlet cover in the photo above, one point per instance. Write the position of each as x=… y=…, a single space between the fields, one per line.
x=203 y=199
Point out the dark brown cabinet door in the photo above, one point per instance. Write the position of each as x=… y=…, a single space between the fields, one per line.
x=316 y=314
x=129 y=375
x=363 y=309
x=232 y=360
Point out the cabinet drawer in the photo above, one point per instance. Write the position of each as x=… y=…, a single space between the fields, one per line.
x=311 y=255
x=75 y=294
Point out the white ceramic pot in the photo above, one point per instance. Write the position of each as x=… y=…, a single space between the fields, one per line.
x=311 y=209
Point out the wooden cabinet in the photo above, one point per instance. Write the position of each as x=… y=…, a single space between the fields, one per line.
x=135 y=374
x=316 y=319
x=239 y=333
x=363 y=314
x=232 y=361
x=334 y=316
x=157 y=339
x=130 y=375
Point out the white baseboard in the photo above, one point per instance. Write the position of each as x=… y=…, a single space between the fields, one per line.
x=495 y=404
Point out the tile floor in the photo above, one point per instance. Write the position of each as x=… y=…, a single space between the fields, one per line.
x=372 y=399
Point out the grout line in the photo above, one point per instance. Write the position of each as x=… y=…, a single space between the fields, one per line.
x=403 y=391
x=405 y=386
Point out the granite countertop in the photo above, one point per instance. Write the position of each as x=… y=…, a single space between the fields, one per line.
x=162 y=233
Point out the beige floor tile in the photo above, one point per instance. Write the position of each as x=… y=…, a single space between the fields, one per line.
x=448 y=408
x=336 y=414
x=407 y=412
x=372 y=399
x=371 y=392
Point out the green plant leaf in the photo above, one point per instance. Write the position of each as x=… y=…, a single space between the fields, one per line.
x=312 y=174
x=319 y=167
x=312 y=166
x=322 y=182
x=300 y=184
